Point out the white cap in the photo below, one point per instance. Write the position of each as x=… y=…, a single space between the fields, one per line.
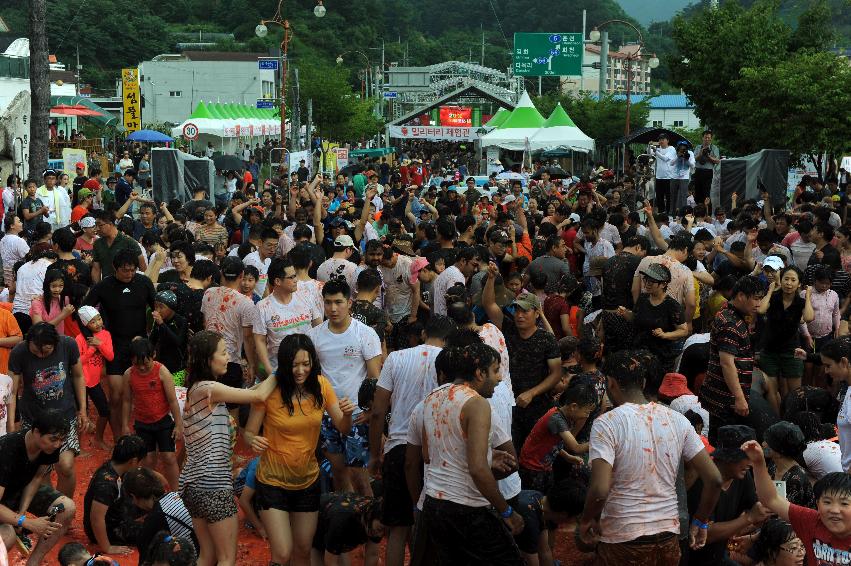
x=344 y=241
x=87 y=313
x=774 y=262
x=508 y=198
x=574 y=217
x=87 y=222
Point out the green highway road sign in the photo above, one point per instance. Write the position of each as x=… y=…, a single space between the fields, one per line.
x=548 y=54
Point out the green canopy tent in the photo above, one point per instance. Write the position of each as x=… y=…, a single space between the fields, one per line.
x=518 y=128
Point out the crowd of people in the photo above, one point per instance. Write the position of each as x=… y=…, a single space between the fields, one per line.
x=464 y=372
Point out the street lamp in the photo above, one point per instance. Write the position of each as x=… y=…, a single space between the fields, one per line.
x=262 y=30
x=364 y=89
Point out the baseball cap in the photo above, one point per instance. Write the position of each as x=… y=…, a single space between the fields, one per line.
x=48 y=173
x=728 y=447
x=674 y=385
x=92 y=184
x=232 y=267
x=344 y=241
x=508 y=199
x=87 y=222
x=80 y=165
x=527 y=301
x=87 y=313
x=574 y=217
x=83 y=193
x=774 y=262
x=657 y=272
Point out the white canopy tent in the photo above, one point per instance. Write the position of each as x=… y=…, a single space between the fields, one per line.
x=559 y=132
x=521 y=126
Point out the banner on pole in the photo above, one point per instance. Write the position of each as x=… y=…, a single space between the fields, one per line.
x=132 y=100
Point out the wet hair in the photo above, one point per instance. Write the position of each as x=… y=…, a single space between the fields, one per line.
x=460 y=312
x=837 y=349
x=442 y=365
x=637 y=241
x=300 y=256
x=277 y=269
x=796 y=270
x=834 y=483
x=369 y=279
x=589 y=348
x=128 y=447
x=567 y=347
x=568 y=496
x=301 y=231
x=772 y=535
x=183 y=247
x=466 y=360
x=681 y=242
x=439 y=327
x=55 y=274
x=336 y=286
x=9 y=220
x=41 y=230
x=43 y=334
x=693 y=418
x=812 y=427
x=749 y=286
x=202 y=346
x=581 y=393
x=366 y=393
x=64 y=239
x=821 y=273
x=201 y=270
x=171 y=550
x=72 y=553
x=726 y=283
x=50 y=421
x=141 y=349
x=124 y=258
x=290 y=346
x=445 y=228
x=627 y=368
x=537 y=278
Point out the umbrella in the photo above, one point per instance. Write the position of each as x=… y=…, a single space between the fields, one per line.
x=555 y=173
x=510 y=175
x=74 y=110
x=149 y=136
x=228 y=163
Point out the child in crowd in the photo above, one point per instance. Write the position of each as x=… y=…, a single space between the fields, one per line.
x=249 y=282
x=569 y=365
x=514 y=282
x=825 y=326
x=589 y=354
x=824 y=531
x=156 y=414
x=244 y=486
x=95 y=345
x=697 y=422
x=75 y=554
x=167 y=550
x=54 y=306
x=555 y=435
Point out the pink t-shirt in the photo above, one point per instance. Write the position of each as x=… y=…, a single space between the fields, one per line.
x=644 y=444
x=37 y=308
x=228 y=312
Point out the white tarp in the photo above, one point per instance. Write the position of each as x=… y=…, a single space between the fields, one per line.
x=561 y=137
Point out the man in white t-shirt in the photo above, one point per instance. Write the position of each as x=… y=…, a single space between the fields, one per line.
x=338 y=266
x=401 y=296
x=284 y=311
x=636 y=453
x=466 y=264
x=349 y=352
x=406 y=378
x=261 y=257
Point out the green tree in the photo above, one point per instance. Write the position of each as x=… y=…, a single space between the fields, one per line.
x=604 y=119
x=758 y=83
x=338 y=113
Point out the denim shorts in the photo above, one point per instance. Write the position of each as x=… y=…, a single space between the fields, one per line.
x=354 y=446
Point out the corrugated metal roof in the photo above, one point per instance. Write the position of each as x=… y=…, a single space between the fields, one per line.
x=660 y=101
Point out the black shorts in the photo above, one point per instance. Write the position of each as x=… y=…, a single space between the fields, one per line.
x=41 y=502
x=121 y=361
x=290 y=500
x=157 y=436
x=397 y=509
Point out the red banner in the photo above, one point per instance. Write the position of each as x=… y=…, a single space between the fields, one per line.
x=456 y=116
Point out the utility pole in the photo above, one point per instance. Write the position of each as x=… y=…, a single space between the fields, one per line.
x=483 y=43
x=604 y=61
x=39 y=87
x=78 y=72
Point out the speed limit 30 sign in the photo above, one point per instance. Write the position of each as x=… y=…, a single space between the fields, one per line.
x=190 y=131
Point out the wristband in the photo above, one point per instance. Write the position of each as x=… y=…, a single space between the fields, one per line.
x=21 y=520
x=699 y=524
x=507 y=513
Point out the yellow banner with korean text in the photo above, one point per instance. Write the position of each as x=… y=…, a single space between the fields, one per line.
x=132 y=100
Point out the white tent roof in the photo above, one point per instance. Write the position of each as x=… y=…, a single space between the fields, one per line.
x=559 y=132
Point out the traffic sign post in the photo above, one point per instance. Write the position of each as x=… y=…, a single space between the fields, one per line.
x=190 y=131
x=267 y=64
x=548 y=54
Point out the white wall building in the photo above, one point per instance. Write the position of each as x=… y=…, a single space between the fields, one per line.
x=173 y=85
x=617 y=66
